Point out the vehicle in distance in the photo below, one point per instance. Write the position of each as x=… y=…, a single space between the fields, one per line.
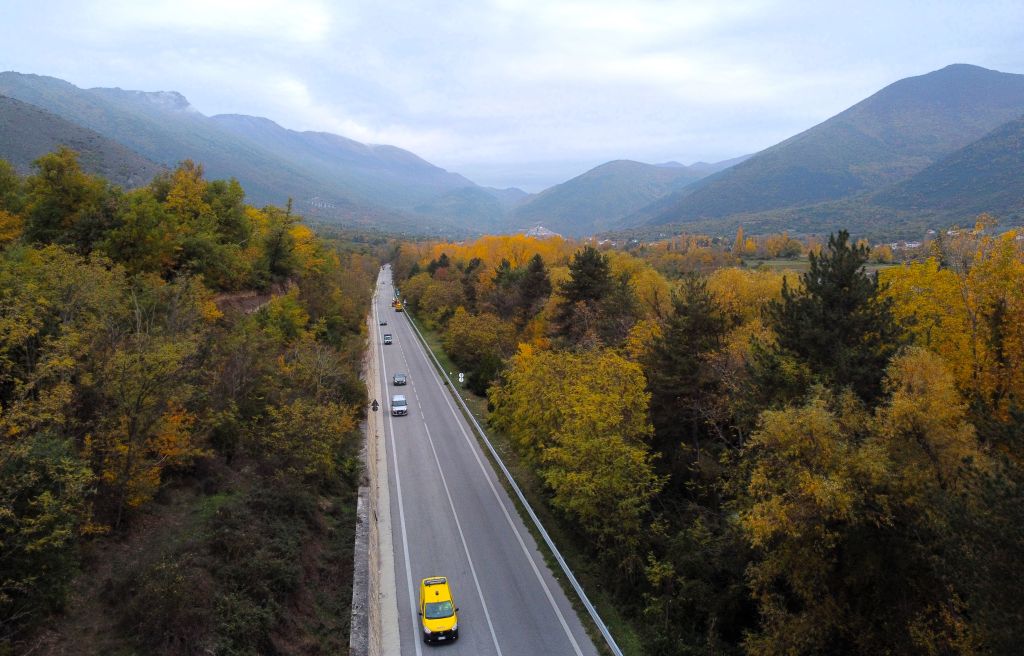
x=399 y=379
x=383 y=322
x=387 y=338
x=438 y=613
x=399 y=406
x=398 y=306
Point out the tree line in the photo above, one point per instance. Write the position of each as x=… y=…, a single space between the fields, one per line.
x=770 y=464
x=122 y=378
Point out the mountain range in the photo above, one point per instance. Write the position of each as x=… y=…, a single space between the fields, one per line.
x=925 y=151
x=876 y=166
x=604 y=196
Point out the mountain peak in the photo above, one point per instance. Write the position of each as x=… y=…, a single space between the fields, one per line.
x=167 y=100
x=887 y=137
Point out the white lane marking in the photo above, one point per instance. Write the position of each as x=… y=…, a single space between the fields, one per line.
x=462 y=536
x=401 y=514
x=459 y=420
x=455 y=516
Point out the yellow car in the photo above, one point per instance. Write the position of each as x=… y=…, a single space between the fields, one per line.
x=438 y=613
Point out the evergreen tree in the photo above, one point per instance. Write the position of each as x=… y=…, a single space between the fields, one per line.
x=616 y=312
x=534 y=288
x=679 y=376
x=838 y=324
x=440 y=263
x=589 y=282
x=469 y=282
x=504 y=296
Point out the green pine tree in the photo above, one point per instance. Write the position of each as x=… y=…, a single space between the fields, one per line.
x=837 y=323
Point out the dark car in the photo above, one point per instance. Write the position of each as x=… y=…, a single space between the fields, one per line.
x=383 y=322
x=399 y=379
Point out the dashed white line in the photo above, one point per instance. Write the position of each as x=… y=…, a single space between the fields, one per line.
x=462 y=536
x=473 y=447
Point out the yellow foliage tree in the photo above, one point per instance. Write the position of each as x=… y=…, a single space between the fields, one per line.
x=742 y=293
x=832 y=491
x=971 y=312
x=582 y=418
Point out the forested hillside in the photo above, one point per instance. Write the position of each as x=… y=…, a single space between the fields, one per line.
x=28 y=132
x=752 y=462
x=176 y=477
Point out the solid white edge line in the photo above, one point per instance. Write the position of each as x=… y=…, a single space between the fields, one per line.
x=459 y=420
x=401 y=507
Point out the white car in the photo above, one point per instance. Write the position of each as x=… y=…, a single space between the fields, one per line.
x=399 y=406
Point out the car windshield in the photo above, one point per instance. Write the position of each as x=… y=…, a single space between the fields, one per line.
x=438 y=609
x=399 y=403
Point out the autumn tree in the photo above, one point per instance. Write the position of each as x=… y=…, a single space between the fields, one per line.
x=278 y=244
x=11 y=188
x=146 y=386
x=837 y=499
x=56 y=314
x=65 y=205
x=737 y=244
x=11 y=202
x=581 y=420
x=479 y=344
x=146 y=239
x=970 y=310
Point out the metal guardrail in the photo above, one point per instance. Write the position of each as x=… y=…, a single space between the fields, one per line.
x=602 y=627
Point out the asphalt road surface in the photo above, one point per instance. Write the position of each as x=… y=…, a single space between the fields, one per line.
x=451 y=517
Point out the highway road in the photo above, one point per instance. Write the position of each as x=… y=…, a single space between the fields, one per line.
x=451 y=517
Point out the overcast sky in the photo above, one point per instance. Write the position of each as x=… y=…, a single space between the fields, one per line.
x=509 y=93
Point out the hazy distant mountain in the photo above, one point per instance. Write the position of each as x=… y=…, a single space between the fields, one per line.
x=28 y=132
x=328 y=176
x=710 y=168
x=884 y=139
x=454 y=206
x=386 y=175
x=602 y=197
x=508 y=197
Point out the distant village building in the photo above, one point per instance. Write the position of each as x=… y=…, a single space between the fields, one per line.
x=541 y=232
x=904 y=245
x=320 y=203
